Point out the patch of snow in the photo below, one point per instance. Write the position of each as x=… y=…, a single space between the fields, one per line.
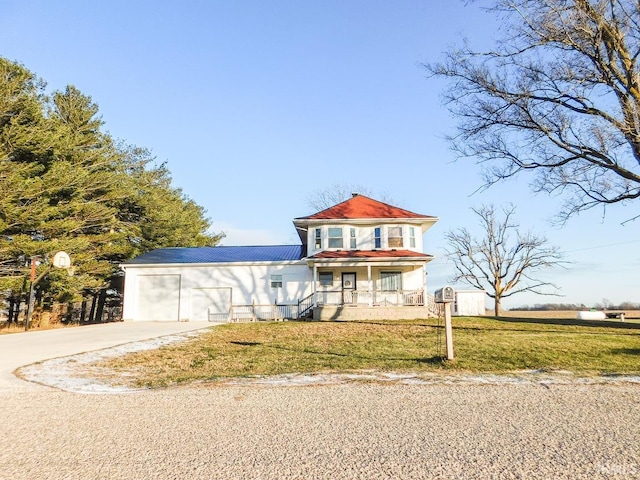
x=76 y=373
x=516 y=378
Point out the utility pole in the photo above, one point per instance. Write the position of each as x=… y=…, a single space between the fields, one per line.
x=60 y=260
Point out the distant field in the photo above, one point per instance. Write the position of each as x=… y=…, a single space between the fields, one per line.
x=630 y=314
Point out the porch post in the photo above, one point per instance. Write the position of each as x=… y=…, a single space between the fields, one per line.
x=425 y=301
x=370 y=285
x=315 y=276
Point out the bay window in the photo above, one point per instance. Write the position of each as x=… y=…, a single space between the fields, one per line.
x=335 y=237
x=394 y=237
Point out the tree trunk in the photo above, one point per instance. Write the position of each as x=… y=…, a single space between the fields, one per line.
x=13 y=311
x=496 y=307
x=102 y=298
x=83 y=310
x=92 y=313
x=68 y=316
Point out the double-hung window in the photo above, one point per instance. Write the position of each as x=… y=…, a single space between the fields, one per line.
x=335 y=237
x=390 y=281
x=276 y=281
x=318 y=238
x=412 y=237
x=352 y=238
x=325 y=279
x=394 y=237
x=377 y=237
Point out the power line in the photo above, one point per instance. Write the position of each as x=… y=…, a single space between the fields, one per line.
x=601 y=246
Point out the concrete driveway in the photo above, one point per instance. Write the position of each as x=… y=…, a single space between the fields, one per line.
x=20 y=349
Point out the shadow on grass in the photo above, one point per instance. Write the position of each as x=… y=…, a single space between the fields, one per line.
x=435 y=360
x=437 y=325
x=625 y=351
x=430 y=360
x=389 y=323
x=246 y=344
x=570 y=322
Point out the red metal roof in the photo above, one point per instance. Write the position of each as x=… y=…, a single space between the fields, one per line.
x=369 y=254
x=360 y=206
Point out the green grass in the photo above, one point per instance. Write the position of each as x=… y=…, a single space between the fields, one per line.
x=480 y=344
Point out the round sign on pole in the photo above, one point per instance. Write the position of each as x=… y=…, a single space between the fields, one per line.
x=61 y=260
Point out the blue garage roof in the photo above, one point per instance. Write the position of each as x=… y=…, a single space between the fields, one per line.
x=264 y=253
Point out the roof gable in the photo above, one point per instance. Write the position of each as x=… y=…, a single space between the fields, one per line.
x=360 y=207
x=231 y=254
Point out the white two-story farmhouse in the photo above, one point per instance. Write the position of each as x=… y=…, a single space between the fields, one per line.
x=358 y=259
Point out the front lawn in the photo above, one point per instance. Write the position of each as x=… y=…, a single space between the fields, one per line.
x=480 y=344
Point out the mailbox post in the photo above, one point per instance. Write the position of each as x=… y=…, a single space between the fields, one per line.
x=446 y=295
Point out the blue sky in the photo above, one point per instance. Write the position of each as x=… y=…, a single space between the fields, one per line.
x=253 y=104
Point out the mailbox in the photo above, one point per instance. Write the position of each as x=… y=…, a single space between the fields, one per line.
x=445 y=295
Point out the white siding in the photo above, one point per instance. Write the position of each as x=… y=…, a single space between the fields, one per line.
x=469 y=303
x=158 y=297
x=365 y=236
x=206 y=301
x=194 y=294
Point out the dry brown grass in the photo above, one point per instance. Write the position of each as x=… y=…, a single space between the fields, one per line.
x=6 y=328
x=564 y=314
x=481 y=344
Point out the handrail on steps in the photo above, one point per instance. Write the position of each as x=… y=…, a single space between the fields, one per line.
x=306 y=304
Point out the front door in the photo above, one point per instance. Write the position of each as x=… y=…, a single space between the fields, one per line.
x=349 y=294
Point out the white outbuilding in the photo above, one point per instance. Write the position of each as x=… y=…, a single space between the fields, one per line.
x=469 y=303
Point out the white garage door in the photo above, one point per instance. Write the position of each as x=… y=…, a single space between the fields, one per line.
x=210 y=304
x=158 y=297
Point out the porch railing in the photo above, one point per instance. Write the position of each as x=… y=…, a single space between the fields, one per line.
x=255 y=312
x=374 y=298
x=305 y=305
x=361 y=298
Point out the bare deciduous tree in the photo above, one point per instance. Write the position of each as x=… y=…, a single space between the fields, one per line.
x=559 y=96
x=328 y=197
x=503 y=261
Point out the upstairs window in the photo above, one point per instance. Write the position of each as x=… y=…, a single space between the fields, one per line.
x=412 y=237
x=335 y=237
x=276 y=281
x=318 y=238
x=352 y=238
x=391 y=281
x=377 y=237
x=394 y=235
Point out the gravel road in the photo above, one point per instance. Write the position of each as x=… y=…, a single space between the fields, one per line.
x=349 y=431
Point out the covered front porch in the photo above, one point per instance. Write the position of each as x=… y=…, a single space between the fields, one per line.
x=373 y=287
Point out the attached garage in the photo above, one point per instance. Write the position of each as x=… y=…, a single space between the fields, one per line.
x=202 y=283
x=158 y=297
x=210 y=304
